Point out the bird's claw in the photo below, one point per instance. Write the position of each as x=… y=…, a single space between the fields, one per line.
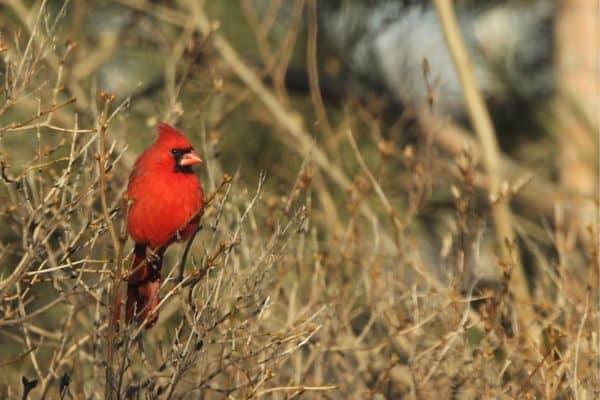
x=151 y=256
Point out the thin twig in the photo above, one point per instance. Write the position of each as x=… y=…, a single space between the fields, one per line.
x=298 y=388
x=313 y=73
x=578 y=344
x=482 y=123
x=112 y=327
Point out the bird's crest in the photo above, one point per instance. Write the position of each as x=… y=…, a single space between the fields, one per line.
x=168 y=134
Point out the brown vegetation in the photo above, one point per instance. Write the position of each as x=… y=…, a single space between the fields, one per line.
x=351 y=268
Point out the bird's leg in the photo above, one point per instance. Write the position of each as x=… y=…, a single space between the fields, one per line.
x=153 y=258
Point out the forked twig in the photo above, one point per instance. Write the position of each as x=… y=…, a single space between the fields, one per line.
x=225 y=181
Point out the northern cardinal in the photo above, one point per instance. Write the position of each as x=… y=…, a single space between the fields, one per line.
x=166 y=200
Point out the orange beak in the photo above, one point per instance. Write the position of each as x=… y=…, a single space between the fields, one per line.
x=190 y=158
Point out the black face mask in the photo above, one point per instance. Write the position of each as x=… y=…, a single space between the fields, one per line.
x=178 y=155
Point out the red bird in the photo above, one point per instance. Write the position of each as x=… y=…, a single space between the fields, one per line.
x=166 y=205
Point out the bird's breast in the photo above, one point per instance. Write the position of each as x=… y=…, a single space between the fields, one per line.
x=162 y=206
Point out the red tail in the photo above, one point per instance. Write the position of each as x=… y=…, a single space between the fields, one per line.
x=142 y=288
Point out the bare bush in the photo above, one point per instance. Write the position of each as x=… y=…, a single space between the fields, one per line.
x=352 y=268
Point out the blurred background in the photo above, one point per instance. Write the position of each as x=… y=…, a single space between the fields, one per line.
x=364 y=246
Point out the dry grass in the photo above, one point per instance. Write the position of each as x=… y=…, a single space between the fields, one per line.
x=351 y=268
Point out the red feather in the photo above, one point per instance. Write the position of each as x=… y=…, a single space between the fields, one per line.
x=166 y=205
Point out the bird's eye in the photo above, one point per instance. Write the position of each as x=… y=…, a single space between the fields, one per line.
x=180 y=152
